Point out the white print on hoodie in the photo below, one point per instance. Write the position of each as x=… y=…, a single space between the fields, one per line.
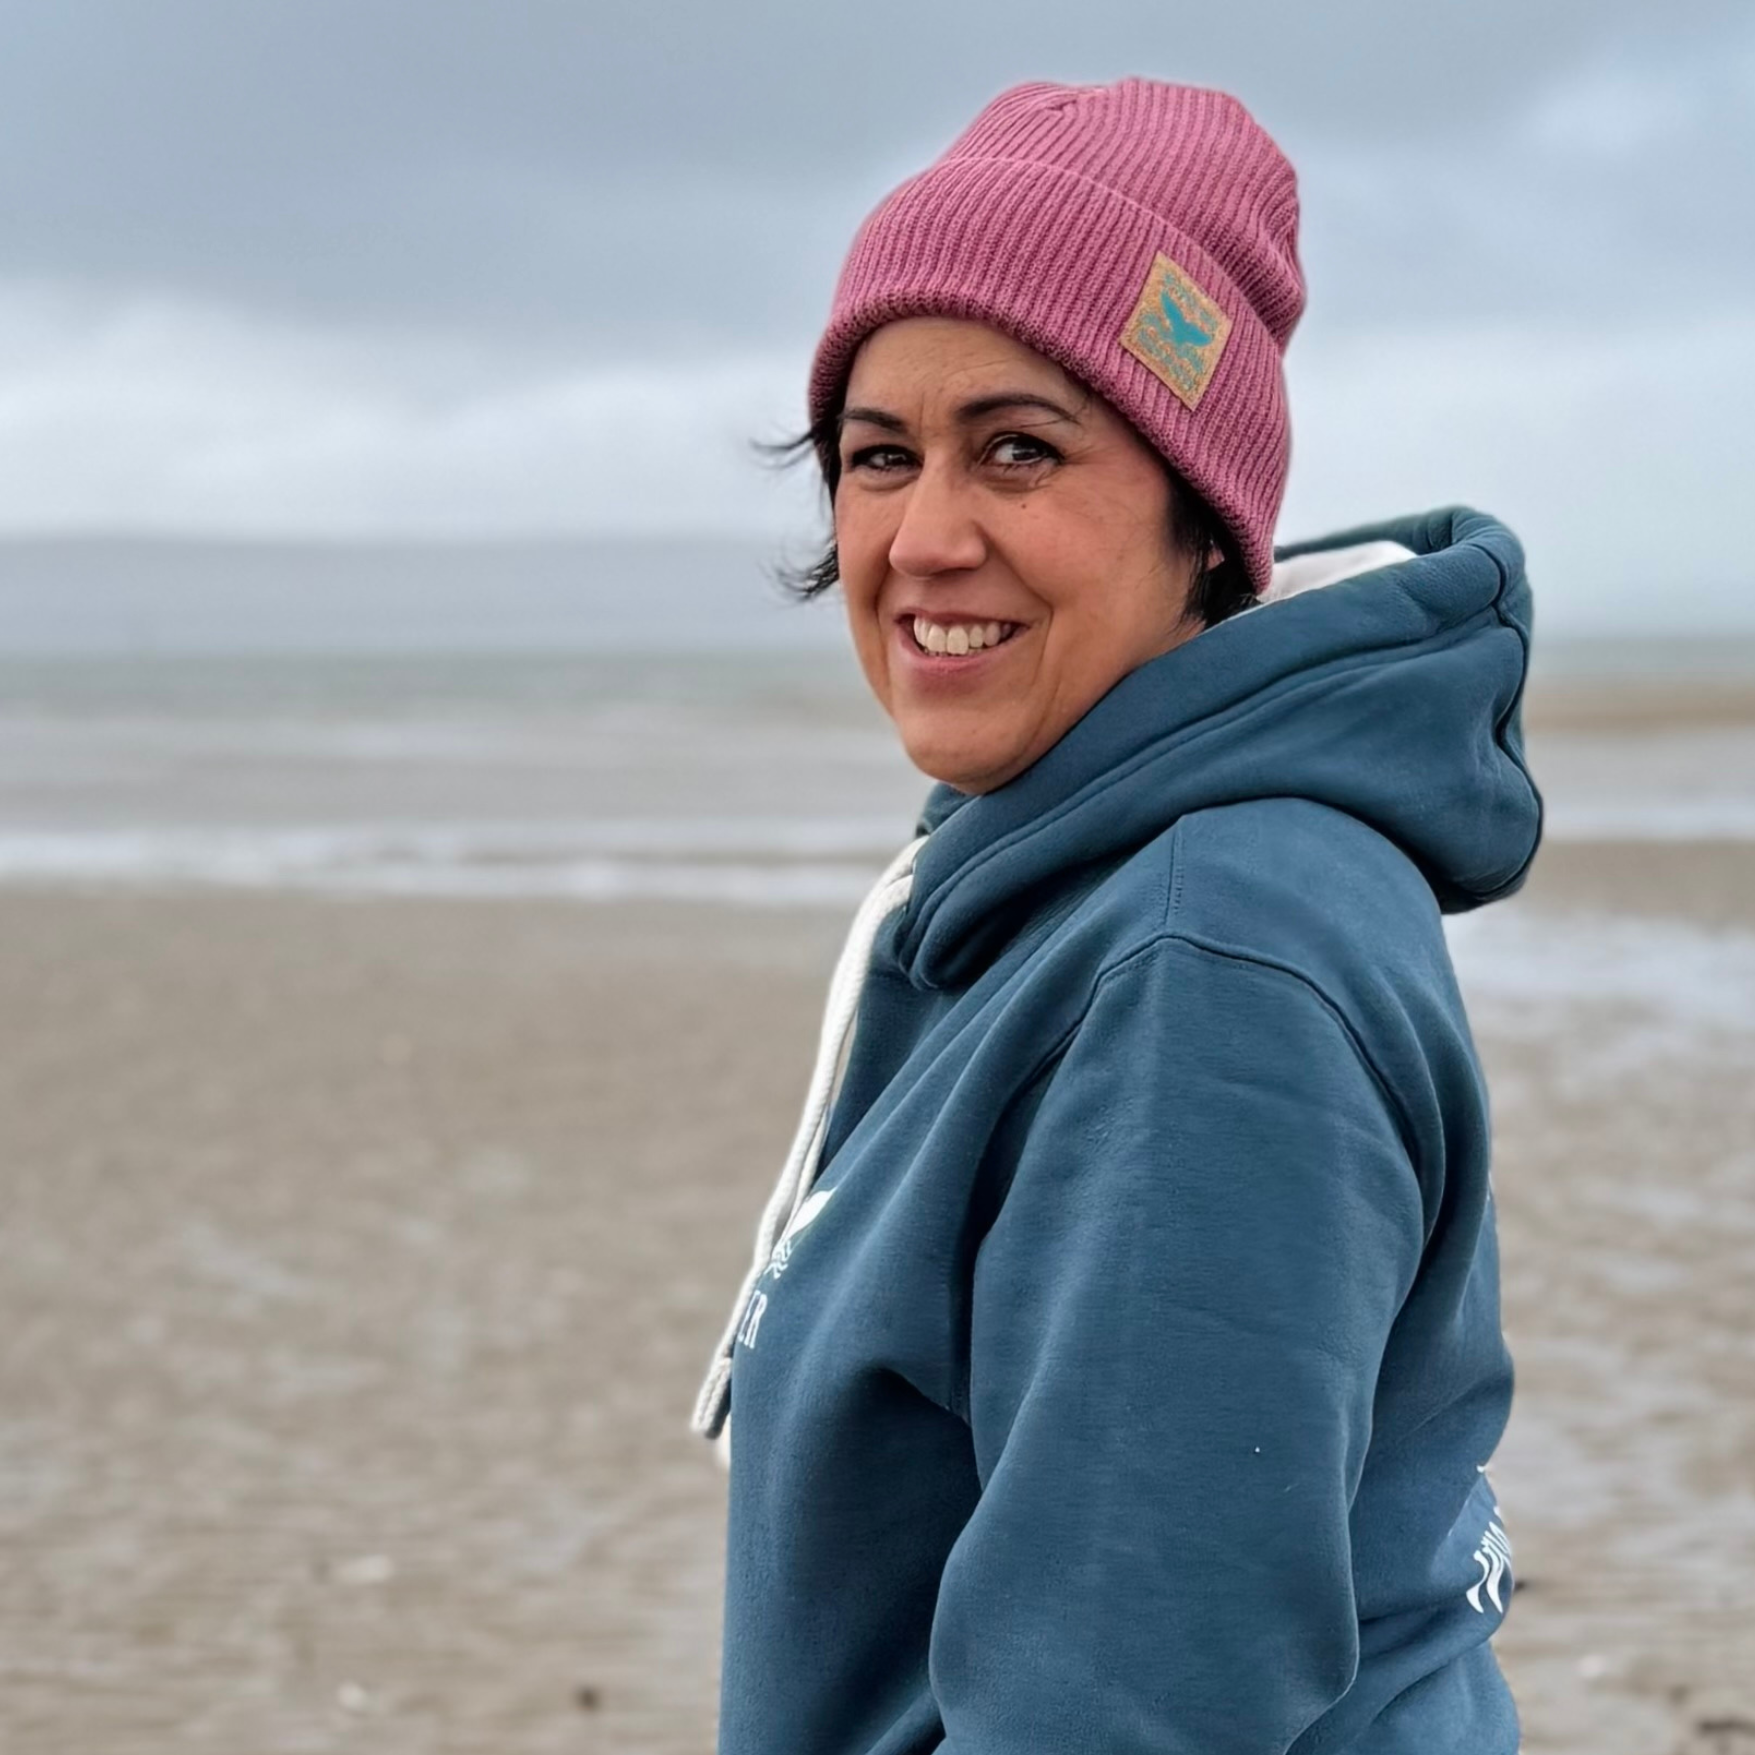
x=752 y=1320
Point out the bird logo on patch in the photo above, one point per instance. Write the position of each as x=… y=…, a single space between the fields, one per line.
x=1176 y=331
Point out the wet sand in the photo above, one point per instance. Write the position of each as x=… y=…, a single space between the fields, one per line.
x=361 y=1258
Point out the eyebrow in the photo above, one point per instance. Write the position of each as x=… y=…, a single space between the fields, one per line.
x=969 y=411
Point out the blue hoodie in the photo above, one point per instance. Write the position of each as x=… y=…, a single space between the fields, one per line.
x=1127 y=1380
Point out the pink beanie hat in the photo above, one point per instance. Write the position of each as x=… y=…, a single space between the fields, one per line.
x=1143 y=236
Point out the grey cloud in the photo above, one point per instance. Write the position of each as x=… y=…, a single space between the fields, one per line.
x=1618 y=186
x=643 y=178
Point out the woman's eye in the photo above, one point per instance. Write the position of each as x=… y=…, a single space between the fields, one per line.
x=1034 y=450
x=879 y=457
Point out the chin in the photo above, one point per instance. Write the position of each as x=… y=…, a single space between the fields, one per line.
x=956 y=765
x=938 y=760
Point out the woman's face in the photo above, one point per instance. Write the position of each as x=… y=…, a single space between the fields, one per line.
x=986 y=493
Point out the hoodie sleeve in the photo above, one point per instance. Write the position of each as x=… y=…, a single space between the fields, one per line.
x=1177 y=1321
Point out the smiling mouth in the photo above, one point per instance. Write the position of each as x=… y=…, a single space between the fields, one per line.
x=957 y=639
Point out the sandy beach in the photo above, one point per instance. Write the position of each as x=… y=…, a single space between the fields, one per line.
x=362 y=1255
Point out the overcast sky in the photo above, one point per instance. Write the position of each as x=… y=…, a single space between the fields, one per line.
x=410 y=267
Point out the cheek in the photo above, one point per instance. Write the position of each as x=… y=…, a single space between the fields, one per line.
x=860 y=541
x=1068 y=534
x=862 y=559
x=1090 y=558
x=1062 y=562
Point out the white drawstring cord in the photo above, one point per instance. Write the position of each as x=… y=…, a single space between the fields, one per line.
x=889 y=893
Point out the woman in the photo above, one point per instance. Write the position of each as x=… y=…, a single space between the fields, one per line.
x=1121 y=1356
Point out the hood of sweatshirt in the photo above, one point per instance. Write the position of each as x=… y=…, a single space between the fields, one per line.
x=1393 y=694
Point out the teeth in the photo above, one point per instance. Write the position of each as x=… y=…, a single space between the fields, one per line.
x=955 y=639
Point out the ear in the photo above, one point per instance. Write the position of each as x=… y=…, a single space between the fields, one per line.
x=1214 y=558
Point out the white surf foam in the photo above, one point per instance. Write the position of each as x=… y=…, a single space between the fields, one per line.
x=1611 y=995
x=764 y=862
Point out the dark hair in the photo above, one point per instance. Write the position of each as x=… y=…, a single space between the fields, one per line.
x=1193 y=528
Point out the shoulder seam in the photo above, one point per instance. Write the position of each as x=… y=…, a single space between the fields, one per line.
x=1173 y=885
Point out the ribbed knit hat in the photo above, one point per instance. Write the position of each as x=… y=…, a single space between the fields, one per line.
x=1144 y=236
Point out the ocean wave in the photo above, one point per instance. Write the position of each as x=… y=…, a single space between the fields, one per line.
x=761 y=862
x=1652 y=819
x=748 y=858
x=1603 y=997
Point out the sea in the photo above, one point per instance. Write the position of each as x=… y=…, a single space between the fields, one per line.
x=591 y=721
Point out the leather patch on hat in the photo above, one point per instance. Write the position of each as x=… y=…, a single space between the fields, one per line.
x=1176 y=331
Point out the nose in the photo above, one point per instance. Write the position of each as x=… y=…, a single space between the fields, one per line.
x=938 y=532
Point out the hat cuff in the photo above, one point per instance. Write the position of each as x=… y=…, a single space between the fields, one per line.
x=1058 y=262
